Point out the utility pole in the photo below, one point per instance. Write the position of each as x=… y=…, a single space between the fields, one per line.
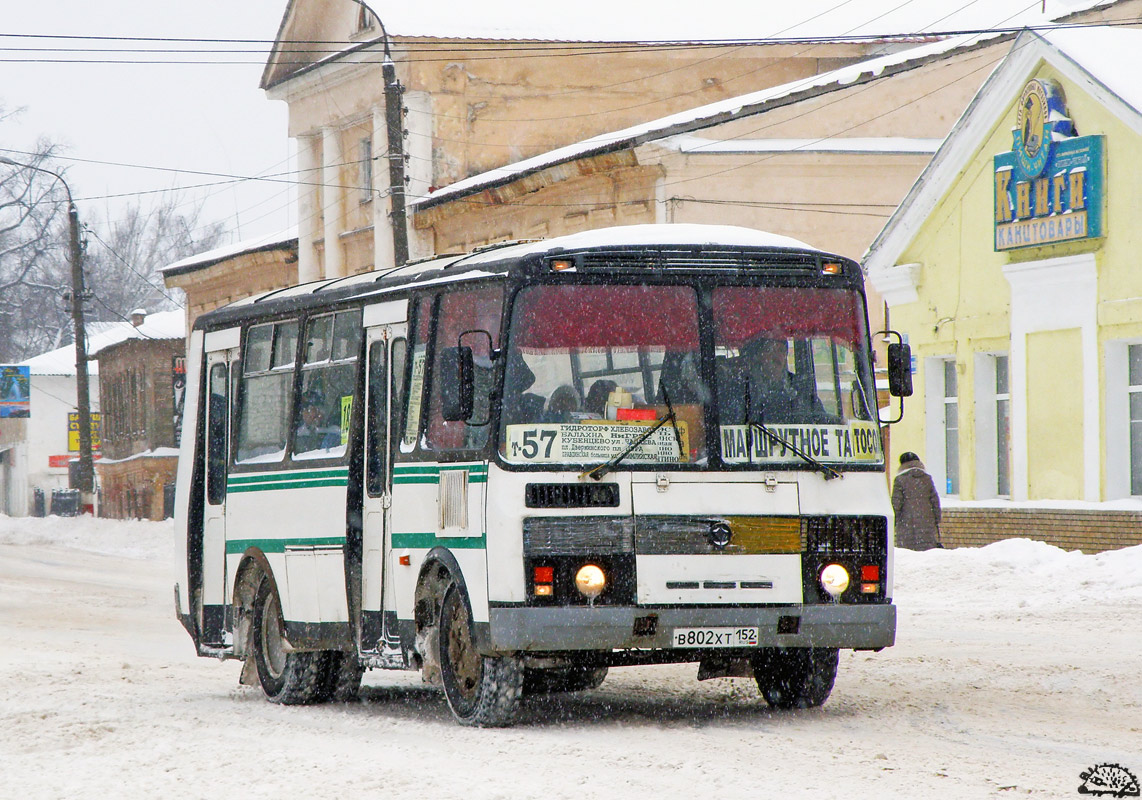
x=394 y=114
x=86 y=476
x=394 y=127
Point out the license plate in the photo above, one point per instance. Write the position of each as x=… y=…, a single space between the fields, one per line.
x=714 y=637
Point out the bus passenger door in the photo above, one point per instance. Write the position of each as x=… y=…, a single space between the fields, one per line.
x=214 y=589
x=386 y=346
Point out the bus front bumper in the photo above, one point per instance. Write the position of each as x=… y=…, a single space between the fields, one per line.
x=516 y=628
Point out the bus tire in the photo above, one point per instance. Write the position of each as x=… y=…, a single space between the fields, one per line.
x=482 y=691
x=566 y=679
x=796 y=677
x=289 y=678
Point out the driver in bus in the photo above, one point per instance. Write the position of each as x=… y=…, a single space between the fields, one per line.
x=313 y=433
x=774 y=395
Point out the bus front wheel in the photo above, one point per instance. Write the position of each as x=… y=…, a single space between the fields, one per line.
x=287 y=677
x=481 y=690
x=796 y=677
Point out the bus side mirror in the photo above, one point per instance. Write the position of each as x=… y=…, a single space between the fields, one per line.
x=899 y=370
x=456 y=383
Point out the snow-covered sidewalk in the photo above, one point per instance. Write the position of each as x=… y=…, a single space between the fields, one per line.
x=1015 y=669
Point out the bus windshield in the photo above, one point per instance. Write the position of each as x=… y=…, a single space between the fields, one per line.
x=793 y=361
x=592 y=368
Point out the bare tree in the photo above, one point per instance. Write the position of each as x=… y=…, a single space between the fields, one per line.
x=121 y=262
x=122 y=265
x=33 y=257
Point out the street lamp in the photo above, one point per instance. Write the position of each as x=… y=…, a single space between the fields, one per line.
x=86 y=476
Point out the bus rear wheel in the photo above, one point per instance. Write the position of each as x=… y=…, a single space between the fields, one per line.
x=287 y=677
x=481 y=690
x=796 y=677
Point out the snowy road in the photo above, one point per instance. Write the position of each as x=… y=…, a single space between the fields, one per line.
x=1017 y=667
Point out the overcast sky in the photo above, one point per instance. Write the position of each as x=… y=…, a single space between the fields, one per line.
x=201 y=117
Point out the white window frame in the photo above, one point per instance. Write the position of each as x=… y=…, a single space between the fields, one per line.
x=986 y=424
x=1117 y=401
x=365 y=168
x=935 y=407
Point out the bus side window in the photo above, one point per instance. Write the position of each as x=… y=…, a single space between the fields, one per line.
x=419 y=330
x=265 y=391
x=461 y=311
x=377 y=418
x=379 y=404
x=399 y=358
x=328 y=382
x=216 y=438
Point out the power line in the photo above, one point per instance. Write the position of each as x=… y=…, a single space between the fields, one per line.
x=499 y=51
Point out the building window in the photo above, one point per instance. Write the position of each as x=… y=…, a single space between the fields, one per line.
x=1002 y=427
x=951 y=429
x=1134 y=390
x=364 y=19
x=365 y=179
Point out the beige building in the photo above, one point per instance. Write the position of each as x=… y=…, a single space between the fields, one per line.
x=474 y=102
x=479 y=92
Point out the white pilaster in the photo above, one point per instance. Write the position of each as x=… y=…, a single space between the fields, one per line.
x=331 y=184
x=382 y=198
x=308 y=177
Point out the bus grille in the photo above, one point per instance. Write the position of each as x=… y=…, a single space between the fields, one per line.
x=844 y=535
x=571 y=495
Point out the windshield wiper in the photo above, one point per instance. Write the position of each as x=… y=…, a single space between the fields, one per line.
x=597 y=473
x=826 y=470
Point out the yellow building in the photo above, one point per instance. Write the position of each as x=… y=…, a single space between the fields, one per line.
x=1011 y=267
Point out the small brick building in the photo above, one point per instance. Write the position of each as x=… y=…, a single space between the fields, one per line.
x=142 y=396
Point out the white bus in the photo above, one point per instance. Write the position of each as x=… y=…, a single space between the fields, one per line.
x=517 y=468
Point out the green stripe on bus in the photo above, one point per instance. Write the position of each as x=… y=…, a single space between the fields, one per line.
x=260 y=477
x=426 y=541
x=238 y=546
x=435 y=469
x=281 y=485
x=265 y=481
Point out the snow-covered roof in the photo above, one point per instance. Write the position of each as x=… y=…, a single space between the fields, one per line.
x=657 y=20
x=706 y=116
x=670 y=235
x=101 y=335
x=1100 y=59
x=160 y=325
x=210 y=257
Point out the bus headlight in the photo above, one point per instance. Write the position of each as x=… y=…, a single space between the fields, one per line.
x=590 y=581
x=834 y=580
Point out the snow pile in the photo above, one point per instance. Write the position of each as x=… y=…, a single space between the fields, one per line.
x=1016 y=573
x=152 y=541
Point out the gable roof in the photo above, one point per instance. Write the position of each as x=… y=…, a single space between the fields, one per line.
x=1102 y=61
x=332 y=22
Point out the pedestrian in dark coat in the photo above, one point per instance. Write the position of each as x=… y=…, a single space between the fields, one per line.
x=916 y=505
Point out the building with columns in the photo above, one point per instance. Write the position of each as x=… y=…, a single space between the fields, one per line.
x=479 y=91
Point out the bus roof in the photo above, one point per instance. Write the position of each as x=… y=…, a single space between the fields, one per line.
x=496 y=259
